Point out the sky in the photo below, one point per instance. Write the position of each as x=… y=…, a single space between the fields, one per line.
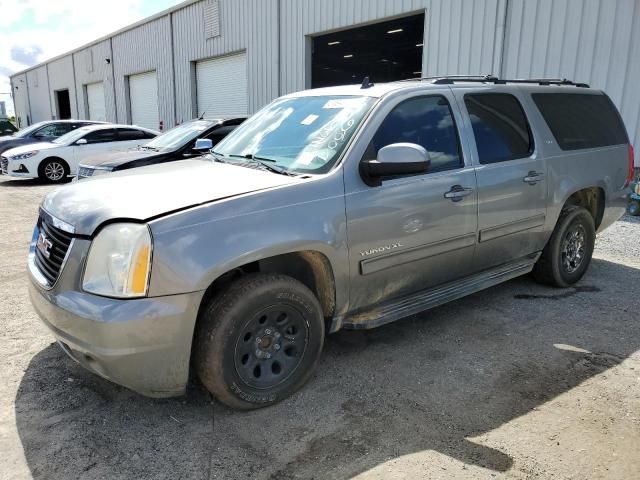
x=32 y=31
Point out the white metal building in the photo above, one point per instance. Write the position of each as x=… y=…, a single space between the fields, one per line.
x=231 y=57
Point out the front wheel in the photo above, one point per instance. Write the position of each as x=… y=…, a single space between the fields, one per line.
x=567 y=255
x=259 y=341
x=634 y=208
x=53 y=170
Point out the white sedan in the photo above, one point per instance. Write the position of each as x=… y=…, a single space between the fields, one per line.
x=54 y=161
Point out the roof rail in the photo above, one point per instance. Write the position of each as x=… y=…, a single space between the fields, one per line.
x=450 y=79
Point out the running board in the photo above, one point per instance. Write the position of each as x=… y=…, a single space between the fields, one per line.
x=421 y=301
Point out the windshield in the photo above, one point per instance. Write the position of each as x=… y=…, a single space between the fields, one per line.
x=26 y=131
x=72 y=136
x=179 y=135
x=300 y=135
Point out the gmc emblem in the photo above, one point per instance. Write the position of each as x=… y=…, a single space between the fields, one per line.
x=44 y=245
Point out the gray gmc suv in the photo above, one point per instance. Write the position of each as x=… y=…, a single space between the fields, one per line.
x=343 y=207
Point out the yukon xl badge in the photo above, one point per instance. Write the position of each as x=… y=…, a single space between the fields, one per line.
x=44 y=245
x=382 y=249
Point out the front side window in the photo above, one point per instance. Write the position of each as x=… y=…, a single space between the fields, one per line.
x=27 y=131
x=300 y=134
x=101 y=136
x=579 y=120
x=53 y=130
x=500 y=127
x=426 y=121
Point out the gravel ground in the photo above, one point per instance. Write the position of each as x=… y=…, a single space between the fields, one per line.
x=519 y=381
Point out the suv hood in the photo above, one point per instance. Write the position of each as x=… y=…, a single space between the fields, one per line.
x=148 y=192
x=115 y=159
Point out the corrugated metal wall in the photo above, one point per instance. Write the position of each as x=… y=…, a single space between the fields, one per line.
x=593 y=41
x=143 y=49
x=21 y=99
x=39 y=97
x=245 y=25
x=91 y=67
x=60 y=78
x=597 y=41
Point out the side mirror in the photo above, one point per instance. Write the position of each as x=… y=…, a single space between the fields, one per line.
x=395 y=159
x=203 y=145
x=82 y=141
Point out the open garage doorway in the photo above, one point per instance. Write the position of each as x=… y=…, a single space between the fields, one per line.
x=385 y=52
x=63 y=104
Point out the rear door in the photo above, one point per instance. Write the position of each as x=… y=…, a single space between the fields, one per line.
x=511 y=176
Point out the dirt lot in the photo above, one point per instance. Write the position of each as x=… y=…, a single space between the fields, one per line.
x=519 y=381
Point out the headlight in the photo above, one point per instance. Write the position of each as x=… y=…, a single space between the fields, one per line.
x=22 y=156
x=119 y=261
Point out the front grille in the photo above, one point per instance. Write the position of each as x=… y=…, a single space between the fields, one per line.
x=4 y=165
x=84 y=172
x=60 y=242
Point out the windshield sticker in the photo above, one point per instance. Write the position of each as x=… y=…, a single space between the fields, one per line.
x=309 y=120
x=332 y=135
x=337 y=103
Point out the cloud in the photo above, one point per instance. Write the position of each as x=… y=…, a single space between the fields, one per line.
x=36 y=30
x=26 y=55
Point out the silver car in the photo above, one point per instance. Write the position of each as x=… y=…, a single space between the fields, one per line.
x=343 y=207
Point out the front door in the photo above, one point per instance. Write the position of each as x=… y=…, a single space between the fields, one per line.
x=411 y=233
x=512 y=187
x=98 y=141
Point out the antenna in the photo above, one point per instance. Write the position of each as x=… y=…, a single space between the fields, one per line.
x=366 y=83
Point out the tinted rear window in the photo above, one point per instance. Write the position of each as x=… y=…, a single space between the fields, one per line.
x=581 y=121
x=500 y=127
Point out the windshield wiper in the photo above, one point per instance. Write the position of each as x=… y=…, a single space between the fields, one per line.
x=266 y=163
x=144 y=147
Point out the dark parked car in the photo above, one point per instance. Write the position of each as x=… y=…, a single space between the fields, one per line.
x=178 y=143
x=41 y=132
x=7 y=128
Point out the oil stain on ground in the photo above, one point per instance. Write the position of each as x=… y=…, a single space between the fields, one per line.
x=560 y=296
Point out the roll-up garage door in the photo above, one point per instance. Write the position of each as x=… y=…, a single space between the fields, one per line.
x=95 y=102
x=221 y=85
x=143 y=94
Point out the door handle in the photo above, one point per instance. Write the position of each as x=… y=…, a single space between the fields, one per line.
x=533 y=177
x=457 y=193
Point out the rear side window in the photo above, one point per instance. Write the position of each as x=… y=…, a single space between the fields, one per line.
x=125 y=134
x=426 y=121
x=500 y=127
x=581 y=120
x=101 y=136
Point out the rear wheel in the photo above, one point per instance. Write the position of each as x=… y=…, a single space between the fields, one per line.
x=567 y=255
x=53 y=170
x=259 y=341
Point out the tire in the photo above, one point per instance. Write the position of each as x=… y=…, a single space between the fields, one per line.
x=567 y=255
x=258 y=341
x=53 y=170
x=634 y=208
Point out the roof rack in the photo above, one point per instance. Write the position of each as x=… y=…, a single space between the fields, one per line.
x=450 y=79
